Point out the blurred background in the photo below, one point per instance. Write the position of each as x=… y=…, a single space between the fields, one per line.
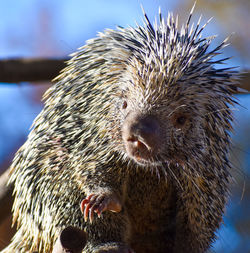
x=54 y=29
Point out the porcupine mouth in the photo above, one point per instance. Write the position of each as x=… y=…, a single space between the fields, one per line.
x=149 y=157
x=141 y=154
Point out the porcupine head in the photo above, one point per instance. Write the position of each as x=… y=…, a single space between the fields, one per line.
x=133 y=101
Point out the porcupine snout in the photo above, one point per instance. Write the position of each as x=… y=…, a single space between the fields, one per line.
x=141 y=135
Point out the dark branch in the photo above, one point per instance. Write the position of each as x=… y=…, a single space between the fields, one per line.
x=30 y=70
x=6 y=199
x=37 y=70
x=245 y=81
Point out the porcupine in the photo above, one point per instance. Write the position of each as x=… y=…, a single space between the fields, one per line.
x=137 y=129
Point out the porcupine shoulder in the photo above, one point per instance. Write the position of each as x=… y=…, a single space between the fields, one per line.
x=136 y=131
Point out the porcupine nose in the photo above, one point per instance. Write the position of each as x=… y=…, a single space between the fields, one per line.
x=141 y=135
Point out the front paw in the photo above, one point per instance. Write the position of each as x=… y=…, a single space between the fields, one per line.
x=98 y=203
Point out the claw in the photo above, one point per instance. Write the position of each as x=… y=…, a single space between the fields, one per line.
x=85 y=201
x=96 y=203
x=86 y=212
x=82 y=205
x=92 y=200
x=91 y=215
x=102 y=207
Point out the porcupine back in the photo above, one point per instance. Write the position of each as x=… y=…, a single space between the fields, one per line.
x=156 y=68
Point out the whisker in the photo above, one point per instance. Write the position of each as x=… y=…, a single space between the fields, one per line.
x=177 y=180
x=175 y=110
x=190 y=177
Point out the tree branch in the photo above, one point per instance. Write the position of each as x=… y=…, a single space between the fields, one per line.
x=6 y=199
x=30 y=70
x=245 y=81
x=37 y=70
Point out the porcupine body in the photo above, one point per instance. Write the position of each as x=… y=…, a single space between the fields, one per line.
x=136 y=127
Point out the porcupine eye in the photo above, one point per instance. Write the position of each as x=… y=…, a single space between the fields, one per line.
x=124 y=104
x=179 y=120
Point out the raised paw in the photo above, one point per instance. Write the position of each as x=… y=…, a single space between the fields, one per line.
x=99 y=203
